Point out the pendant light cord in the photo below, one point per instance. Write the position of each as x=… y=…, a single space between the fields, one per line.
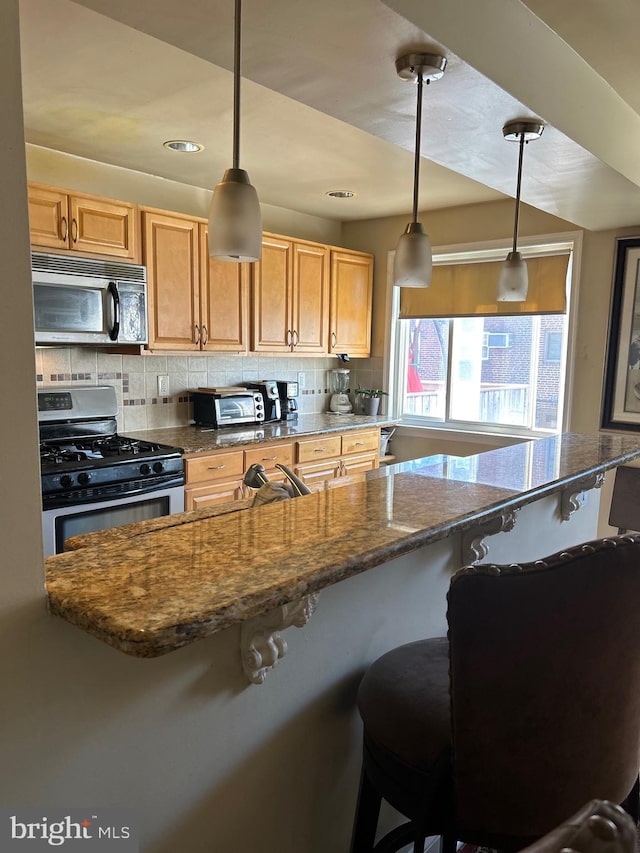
x=517 y=217
x=416 y=164
x=236 y=85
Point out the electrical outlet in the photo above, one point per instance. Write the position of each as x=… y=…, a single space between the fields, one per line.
x=301 y=383
x=163 y=386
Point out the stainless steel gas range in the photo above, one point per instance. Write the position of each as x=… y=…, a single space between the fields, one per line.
x=92 y=477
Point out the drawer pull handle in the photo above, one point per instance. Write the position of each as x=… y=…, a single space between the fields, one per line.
x=268 y=458
x=215 y=467
x=64 y=229
x=320 y=450
x=358 y=443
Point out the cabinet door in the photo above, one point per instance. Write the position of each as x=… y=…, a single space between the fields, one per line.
x=103 y=227
x=224 y=301
x=170 y=253
x=48 y=218
x=310 y=297
x=318 y=476
x=214 y=493
x=272 y=320
x=350 y=304
x=355 y=467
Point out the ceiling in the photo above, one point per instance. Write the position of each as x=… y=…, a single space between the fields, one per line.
x=323 y=109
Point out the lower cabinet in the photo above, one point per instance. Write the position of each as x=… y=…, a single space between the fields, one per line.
x=217 y=477
x=322 y=462
x=213 y=478
x=337 y=459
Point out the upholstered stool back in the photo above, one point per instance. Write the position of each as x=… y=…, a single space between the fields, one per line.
x=545 y=687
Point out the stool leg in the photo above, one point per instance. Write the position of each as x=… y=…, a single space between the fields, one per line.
x=366 y=820
x=448 y=843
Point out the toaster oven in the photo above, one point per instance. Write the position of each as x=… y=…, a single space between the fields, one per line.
x=219 y=408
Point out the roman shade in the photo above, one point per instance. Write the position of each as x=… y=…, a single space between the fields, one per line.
x=469 y=290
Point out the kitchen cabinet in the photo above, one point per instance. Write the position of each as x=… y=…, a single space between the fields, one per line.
x=224 y=301
x=217 y=477
x=82 y=223
x=213 y=478
x=336 y=459
x=195 y=302
x=290 y=297
x=170 y=252
x=350 y=302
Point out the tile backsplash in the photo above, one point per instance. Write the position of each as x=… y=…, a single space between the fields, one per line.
x=135 y=378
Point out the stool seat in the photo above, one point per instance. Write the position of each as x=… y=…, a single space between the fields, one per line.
x=404 y=702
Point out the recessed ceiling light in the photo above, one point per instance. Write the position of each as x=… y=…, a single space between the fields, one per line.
x=184 y=145
x=340 y=194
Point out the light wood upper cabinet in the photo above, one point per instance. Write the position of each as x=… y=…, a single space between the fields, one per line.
x=271 y=296
x=170 y=253
x=290 y=296
x=82 y=223
x=224 y=301
x=310 y=298
x=351 y=297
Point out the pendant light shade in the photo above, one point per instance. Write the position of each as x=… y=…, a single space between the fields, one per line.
x=413 y=259
x=513 y=282
x=235 y=220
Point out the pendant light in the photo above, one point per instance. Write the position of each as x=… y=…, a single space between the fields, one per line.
x=412 y=264
x=235 y=223
x=513 y=282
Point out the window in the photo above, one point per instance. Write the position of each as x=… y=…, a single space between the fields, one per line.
x=502 y=373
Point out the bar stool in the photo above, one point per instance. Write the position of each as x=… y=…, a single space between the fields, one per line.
x=529 y=709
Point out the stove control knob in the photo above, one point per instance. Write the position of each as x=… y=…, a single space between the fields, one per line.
x=145 y=469
x=66 y=481
x=83 y=478
x=158 y=467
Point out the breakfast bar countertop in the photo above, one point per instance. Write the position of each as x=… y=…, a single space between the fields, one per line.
x=163 y=589
x=197 y=439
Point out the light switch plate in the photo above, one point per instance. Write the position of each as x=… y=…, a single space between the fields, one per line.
x=163 y=386
x=301 y=379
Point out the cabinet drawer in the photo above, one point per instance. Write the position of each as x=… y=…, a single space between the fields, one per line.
x=215 y=466
x=269 y=455
x=361 y=442
x=316 y=449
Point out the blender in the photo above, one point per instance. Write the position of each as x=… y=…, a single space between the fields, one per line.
x=339 y=404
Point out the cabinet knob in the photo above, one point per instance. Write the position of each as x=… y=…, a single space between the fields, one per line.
x=205 y=336
x=289 y=337
x=64 y=229
x=74 y=230
x=295 y=338
x=197 y=331
x=334 y=339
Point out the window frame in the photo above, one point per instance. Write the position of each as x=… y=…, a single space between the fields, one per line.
x=529 y=247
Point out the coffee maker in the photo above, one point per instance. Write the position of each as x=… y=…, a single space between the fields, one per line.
x=288 y=391
x=269 y=390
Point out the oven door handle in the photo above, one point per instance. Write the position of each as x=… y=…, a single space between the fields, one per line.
x=114 y=331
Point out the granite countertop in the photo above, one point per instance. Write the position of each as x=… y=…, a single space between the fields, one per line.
x=184 y=581
x=195 y=439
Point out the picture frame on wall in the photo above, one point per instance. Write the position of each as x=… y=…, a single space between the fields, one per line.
x=621 y=400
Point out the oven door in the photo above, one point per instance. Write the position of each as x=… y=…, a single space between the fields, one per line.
x=58 y=525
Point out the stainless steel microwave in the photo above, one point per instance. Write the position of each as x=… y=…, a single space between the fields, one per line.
x=85 y=301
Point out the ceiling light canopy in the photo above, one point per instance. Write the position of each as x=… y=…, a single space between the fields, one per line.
x=513 y=282
x=235 y=221
x=413 y=261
